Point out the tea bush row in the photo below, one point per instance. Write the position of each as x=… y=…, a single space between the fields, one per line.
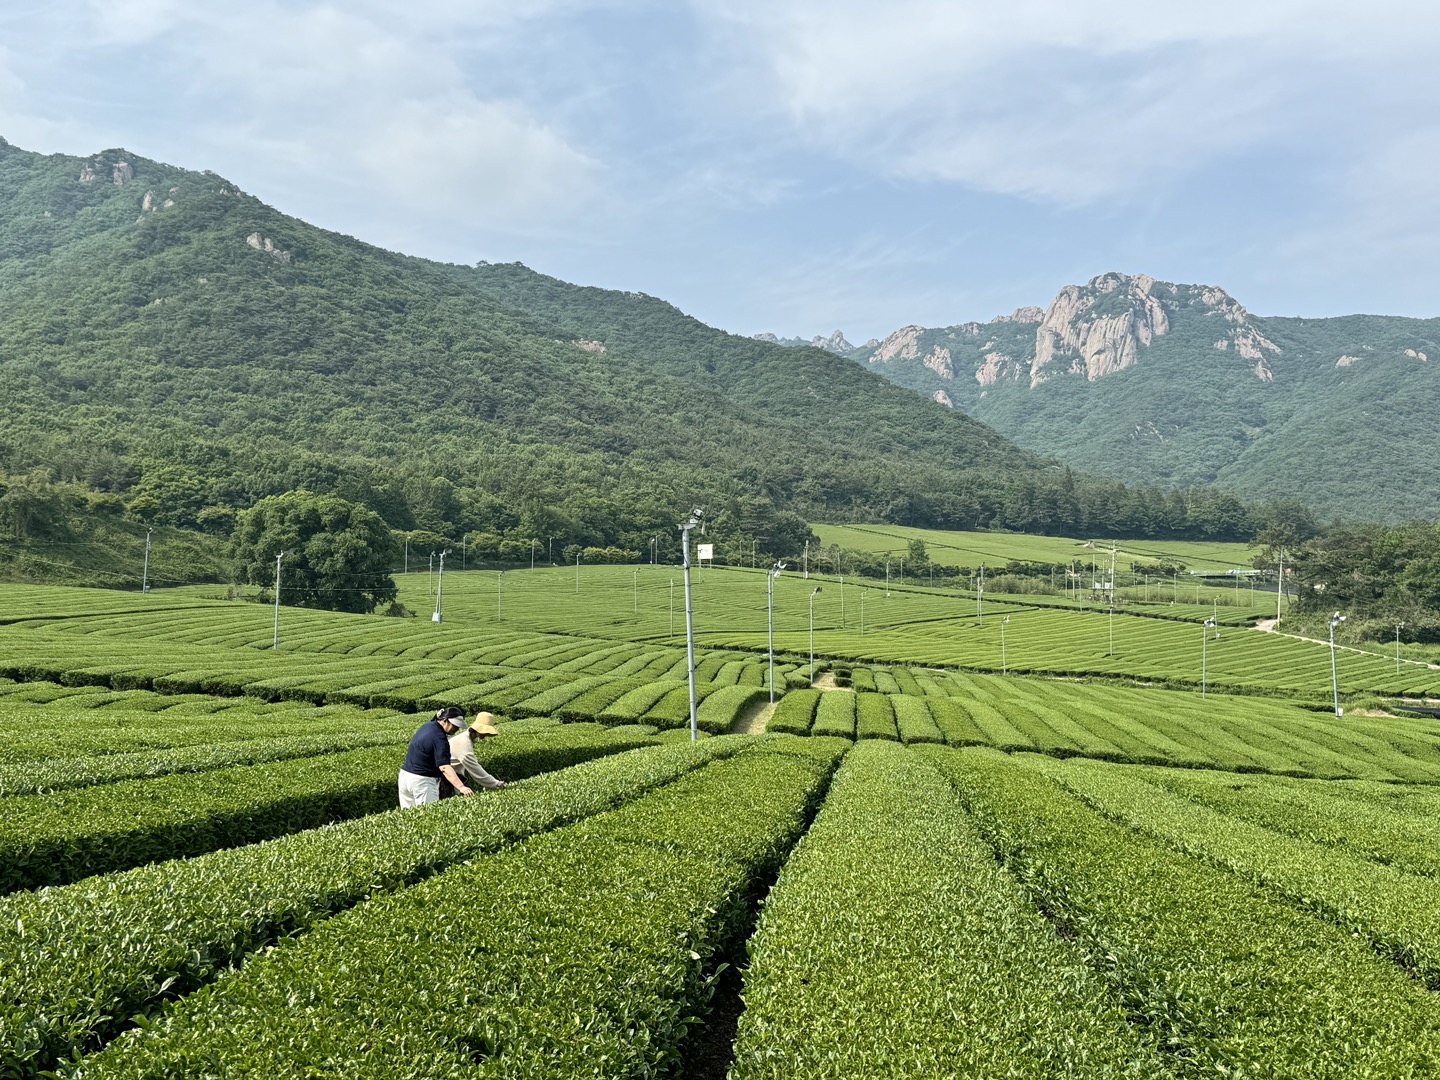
x=583 y=951
x=1226 y=979
x=76 y=961
x=52 y=839
x=894 y=945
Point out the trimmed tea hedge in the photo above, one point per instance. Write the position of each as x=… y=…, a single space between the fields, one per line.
x=894 y=945
x=76 y=961
x=584 y=951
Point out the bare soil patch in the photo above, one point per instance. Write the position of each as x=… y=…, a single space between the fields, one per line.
x=754 y=720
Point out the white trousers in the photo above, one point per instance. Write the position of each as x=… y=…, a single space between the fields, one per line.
x=418 y=790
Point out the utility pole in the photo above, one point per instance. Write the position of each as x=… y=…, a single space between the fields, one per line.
x=770 y=620
x=691 y=523
x=440 y=586
x=276 y=643
x=1279 y=586
x=145 y=573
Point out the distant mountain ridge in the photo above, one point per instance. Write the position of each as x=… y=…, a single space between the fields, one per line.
x=1148 y=380
x=178 y=350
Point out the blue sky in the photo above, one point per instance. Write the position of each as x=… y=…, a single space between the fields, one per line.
x=794 y=166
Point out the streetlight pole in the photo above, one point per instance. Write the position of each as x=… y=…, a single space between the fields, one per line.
x=812 y=635
x=533 y=542
x=753 y=544
x=887 y=579
x=862 y=611
x=1004 y=669
x=276 y=644
x=806 y=558
x=439 y=586
x=1204 y=641
x=499 y=591
x=770 y=620
x=691 y=523
x=432 y=573
x=1398 y=627
x=577 y=571
x=145 y=573
x=635 y=593
x=980 y=597
x=654 y=550
x=1279 y=587
x=1335 y=620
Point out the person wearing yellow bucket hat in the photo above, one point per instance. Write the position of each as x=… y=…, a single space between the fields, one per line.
x=462 y=754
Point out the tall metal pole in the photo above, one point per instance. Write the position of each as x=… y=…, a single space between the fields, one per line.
x=276 y=643
x=145 y=573
x=635 y=593
x=533 y=542
x=887 y=578
x=1004 y=670
x=577 y=572
x=770 y=620
x=842 y=601
x=1279 y=587
x=499 y=588
x=862 y=611
x=690 y=619
x=1398 y=625
x=812 y=635
x=1204 y=641
x=439 y=586
x=672 y=607
x=980 y=597
x=806 y=558
x=1335 y=620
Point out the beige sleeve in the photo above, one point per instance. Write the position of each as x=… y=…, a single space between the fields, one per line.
x=462 y=756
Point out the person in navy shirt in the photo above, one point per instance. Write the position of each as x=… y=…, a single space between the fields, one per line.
x=427 y=759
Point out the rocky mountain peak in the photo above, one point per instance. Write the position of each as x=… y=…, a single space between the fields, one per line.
x=1028 y=313
x=835 y=343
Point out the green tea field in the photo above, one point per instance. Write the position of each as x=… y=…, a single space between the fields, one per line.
x=976 y=835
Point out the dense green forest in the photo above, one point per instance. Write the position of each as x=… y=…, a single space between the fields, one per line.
x=1386 y=579
x=172 y=351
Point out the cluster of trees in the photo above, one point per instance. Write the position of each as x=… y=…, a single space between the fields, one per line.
x=1381 y=576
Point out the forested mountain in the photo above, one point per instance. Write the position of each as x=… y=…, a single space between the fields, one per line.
x=1152 y=382
x=177 y=350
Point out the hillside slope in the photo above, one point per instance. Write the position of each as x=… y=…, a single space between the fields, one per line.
x=1154 y=382
x=170 y=339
